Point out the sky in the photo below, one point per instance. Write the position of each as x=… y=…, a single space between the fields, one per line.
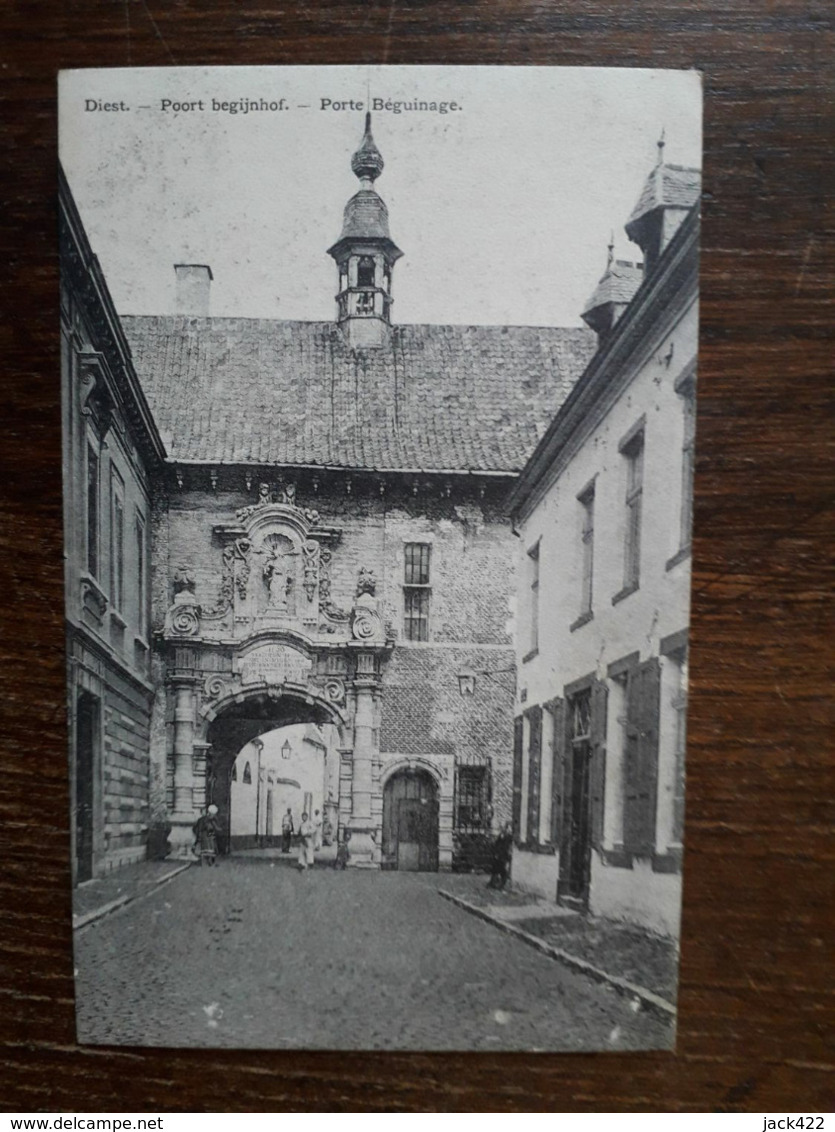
x=503 y=208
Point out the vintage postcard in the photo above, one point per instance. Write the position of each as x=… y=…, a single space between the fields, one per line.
x=379 y=410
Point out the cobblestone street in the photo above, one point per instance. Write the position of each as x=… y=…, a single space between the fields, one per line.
x=254 y=954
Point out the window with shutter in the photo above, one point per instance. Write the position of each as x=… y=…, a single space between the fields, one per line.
x=534 y=771
x=557 y=711
x=599 y=699
x=641 y=758
x=517 y=776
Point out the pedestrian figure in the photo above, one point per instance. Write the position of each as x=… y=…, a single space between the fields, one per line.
x=205 y=836
x=342 y=853
x=500 y=861
x=286 y=831
x=307 y=837
x=317 y=825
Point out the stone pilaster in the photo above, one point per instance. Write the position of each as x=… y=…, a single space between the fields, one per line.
x=363 y=849
x=182 y=684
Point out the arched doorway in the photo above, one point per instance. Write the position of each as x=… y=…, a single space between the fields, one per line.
x=410 y=822
x=236 y=730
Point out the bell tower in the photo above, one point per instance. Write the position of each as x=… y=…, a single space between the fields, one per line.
x=365 y=254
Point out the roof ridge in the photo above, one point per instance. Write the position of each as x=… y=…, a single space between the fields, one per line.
x=334 y=326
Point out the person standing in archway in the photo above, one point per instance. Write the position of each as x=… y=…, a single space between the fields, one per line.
x=286 y=831
x=205 y=834
x=307 y=840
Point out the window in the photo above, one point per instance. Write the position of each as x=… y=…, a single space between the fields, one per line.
x=581 y=721
x=472 y=799
x=679 y=706
x=634 y=454
x=365 y=272
x=117 y=541
x=92 y=511
x=533 y=600
x=141 y=575
x=586 y=501
x=248 y=774
x=365 y=303
x=687 y=464
x=234 y=772
x=416 y=591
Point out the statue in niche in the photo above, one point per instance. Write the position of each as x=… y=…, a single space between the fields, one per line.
x=278 y=573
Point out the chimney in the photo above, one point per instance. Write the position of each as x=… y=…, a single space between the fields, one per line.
x=193 y=287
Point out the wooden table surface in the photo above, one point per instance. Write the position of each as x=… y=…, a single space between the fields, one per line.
x=755 y=1026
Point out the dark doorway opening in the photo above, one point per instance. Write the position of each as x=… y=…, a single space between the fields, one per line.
x=575 y=851
x=88 y=712
x=410 y=822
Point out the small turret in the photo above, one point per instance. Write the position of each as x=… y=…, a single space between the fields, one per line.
x=613 y=293
x=668 y=195
x=365 y=254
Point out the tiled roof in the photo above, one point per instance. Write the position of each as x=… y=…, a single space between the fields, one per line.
x=434 y=398
x=617 y=285
x=670 y=186
x=365 y=215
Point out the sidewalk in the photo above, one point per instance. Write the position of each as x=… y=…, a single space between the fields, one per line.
x=633 y=960
x=325 y=856
x=96 y=898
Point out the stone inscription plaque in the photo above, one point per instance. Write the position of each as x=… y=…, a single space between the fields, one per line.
x=275 y=664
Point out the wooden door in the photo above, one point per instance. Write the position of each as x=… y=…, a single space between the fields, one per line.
x=575 y=850
x=410 y=822
x=576 y=856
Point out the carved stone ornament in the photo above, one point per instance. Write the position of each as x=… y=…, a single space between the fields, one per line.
x=328 y=607
x=93 y=599
x=183 y=581
x=366 y=623
x=367 y=626
x=310 y=550
x=214 y=687
x=183 y=616
x=366 y=582
x=269 y=494
x=234 y=575
x=96 y=400
x=335 y=690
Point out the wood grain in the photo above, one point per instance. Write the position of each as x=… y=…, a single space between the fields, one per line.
x=756 y=997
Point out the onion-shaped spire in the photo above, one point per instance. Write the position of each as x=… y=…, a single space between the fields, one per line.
x=367 y=163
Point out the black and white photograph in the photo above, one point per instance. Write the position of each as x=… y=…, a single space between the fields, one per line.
x=379 y=414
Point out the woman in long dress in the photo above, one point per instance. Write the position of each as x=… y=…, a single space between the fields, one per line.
x=205 y=833
x=307 y=841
